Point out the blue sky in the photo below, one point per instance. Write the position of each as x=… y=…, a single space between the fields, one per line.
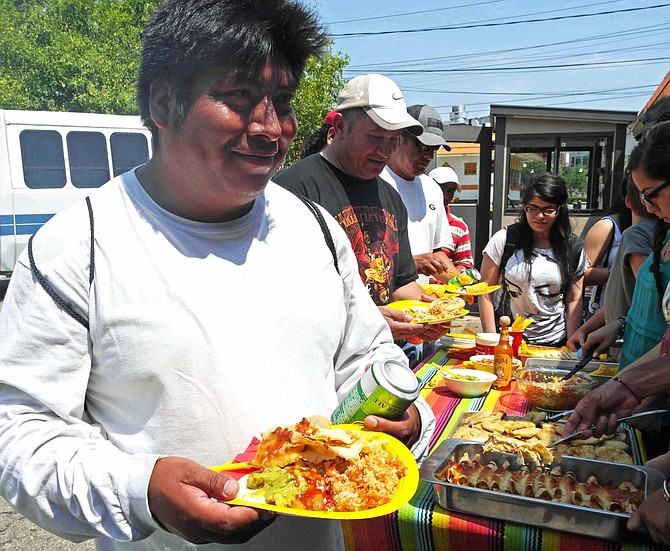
x=610 y=61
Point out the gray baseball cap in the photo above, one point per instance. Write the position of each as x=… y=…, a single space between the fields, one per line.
x=433 y=128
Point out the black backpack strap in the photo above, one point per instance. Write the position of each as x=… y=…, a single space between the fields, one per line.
x=511 y=242
x=49 y=289
x=323 y=225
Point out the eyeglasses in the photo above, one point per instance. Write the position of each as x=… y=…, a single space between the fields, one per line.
x=649 y=197
x=422 y=148
x=546 y=211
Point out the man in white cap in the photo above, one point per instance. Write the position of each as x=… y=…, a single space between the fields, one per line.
x=428 y=227
x=370 y=117
x=461 y=255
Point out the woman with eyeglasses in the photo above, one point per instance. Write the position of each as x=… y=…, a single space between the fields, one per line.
x=643 y=325
x=545 y=274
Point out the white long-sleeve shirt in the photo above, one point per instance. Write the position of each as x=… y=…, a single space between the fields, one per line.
x=201 y=337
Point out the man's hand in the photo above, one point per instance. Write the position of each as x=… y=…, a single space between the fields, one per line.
x=431 y=264
x=401 y=328
x=653 y=517
x=180 y=499
x=602 y=407
x=407 y=429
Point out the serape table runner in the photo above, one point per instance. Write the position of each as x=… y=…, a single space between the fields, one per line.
x=422 y=525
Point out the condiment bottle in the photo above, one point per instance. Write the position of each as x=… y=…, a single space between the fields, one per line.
x=502 y=356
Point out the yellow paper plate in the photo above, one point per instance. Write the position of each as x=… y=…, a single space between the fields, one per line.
x=407 y=485
x=439 y=289
x=464 y=290
x=410 y=306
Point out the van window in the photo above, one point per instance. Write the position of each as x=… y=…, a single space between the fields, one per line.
x=129 y=149
x=87 y=152
x=42 y=158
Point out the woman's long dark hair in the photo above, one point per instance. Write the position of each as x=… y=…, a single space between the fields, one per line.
x=652 y=155
x=619 y=211
x=552 y=189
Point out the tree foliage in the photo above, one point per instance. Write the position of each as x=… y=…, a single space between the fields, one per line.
x=71 y=55
x=82 y=55
x=318 y=91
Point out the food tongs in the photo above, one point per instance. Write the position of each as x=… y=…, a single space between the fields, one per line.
x=621 y=419
x=586 y=358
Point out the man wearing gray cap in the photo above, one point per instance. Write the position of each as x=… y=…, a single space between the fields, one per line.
x=428 y=227
x=370 y=117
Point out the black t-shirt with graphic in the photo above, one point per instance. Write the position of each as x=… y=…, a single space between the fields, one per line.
x=371 y=213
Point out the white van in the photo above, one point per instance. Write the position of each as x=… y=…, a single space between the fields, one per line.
x=49 y=160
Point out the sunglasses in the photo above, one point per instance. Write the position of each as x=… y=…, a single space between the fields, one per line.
x=546 y=211
x=422 y=148
x=649 y=197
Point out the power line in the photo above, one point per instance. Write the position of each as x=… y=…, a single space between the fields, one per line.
x=532 y=94
x=638 y=31
x=500 y=24
x=423 y=67
x=422 y=12
x=526 y=68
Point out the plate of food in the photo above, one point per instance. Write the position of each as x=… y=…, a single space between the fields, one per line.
x=481 y=288
x=440 y=310
x=315 y=469
x=437 y=289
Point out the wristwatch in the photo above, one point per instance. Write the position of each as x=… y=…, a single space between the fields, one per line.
x=622 y=322
x=666 y=490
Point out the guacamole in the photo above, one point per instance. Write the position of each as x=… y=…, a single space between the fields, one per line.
x=277 y=485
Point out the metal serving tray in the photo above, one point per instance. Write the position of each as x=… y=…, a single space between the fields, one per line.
x=536 y=512
x=628 y=432
x=569 y=364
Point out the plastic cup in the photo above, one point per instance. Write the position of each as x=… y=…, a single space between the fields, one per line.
x=516 y=337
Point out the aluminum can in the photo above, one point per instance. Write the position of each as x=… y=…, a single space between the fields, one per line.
x=474 y=273
x=470 y=272
x=387 y=389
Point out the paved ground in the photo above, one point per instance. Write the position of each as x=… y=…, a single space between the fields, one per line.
x=19 y=534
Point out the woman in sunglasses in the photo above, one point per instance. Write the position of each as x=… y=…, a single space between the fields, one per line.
x=649 y=376
x=545 y=274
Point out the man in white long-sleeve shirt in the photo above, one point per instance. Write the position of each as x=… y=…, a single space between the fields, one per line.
x=216 y=308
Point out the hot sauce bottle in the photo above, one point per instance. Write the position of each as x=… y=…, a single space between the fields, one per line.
x=502 y=356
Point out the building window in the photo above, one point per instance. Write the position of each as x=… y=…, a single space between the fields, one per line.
x=582 y=161
x=43 y=159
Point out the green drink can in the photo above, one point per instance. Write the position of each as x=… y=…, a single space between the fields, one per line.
x=387 y=389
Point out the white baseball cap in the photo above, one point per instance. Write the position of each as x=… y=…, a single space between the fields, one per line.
x=381 y=99
x=445 y=174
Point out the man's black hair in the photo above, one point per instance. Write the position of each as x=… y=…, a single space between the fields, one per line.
x=183 y=36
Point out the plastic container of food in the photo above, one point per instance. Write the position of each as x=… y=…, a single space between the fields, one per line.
x=468 y=382
x=485 y=343
x=543 y=387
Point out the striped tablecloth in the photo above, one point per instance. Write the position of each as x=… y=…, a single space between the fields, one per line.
x=424 y=525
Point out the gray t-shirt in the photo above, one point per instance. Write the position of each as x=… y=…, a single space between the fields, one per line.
x=538 y=297
x=621 y=282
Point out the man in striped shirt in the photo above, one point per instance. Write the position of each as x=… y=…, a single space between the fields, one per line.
x=447 y=179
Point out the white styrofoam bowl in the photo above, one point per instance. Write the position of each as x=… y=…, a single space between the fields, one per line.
x=468 y=389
